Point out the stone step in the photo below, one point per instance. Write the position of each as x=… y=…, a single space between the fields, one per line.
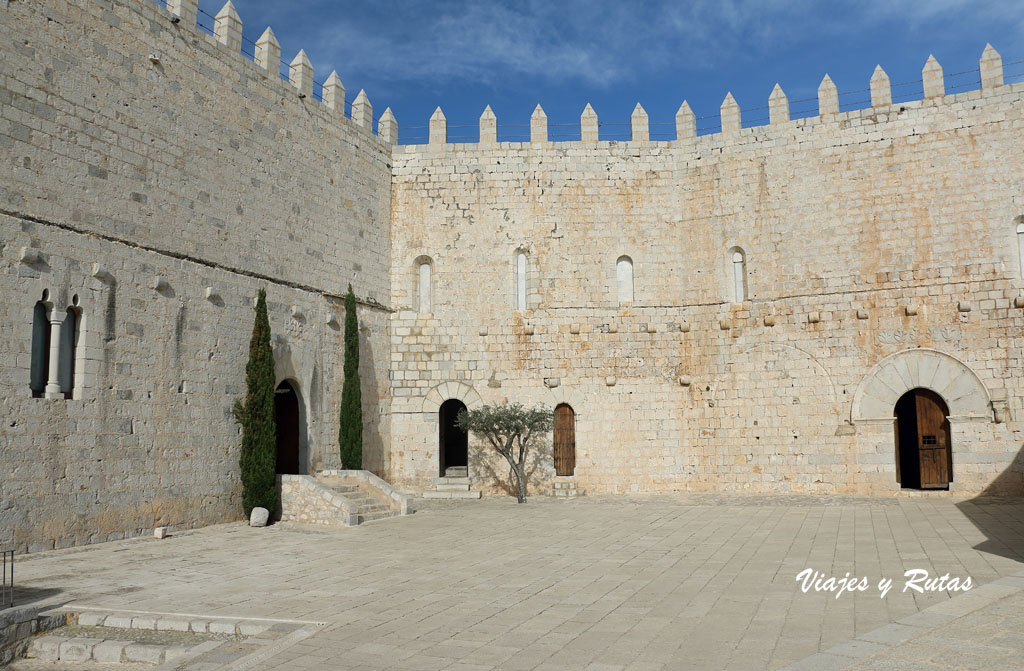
x=457 y=472
x=373 y=508
x=452 y=487
x=563 y=484
x=564 y=493
x=451 y=495
x=451 y=481
x=383 y=514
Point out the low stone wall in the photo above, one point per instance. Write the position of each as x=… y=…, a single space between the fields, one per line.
x=305 y=500
x=18 y=625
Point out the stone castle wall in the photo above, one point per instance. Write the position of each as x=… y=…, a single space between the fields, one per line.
x=154 y=178
x=162 y=178
x=865 y=234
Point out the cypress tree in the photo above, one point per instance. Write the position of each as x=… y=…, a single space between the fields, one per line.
x=350 y=431
x=258 y=459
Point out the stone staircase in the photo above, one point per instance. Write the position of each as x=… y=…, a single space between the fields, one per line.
x=564 y=489
x=333 y=498
x=454 y=485
x=370 y=504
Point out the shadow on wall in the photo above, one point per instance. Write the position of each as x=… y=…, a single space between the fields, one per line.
x=490 y=470
x=998 y=512
x=373 y=441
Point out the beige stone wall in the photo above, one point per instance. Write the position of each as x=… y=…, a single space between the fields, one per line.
x=845 y=221
x=198 y=168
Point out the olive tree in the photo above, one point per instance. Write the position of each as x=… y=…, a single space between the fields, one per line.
x=510 y=429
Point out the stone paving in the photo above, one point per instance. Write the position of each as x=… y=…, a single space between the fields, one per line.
x=668 y=582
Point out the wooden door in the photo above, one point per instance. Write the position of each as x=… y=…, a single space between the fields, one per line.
x=932 y=440
x=565 y=440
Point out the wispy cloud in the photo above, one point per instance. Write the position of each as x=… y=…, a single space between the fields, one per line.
x=594 y=42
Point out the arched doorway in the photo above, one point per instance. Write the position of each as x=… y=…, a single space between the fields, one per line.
x=453 y=443
x=286 y=416
x=924 y=454
x=565 y=440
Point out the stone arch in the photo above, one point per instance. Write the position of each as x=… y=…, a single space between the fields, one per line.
x=798 y=354
x=286 y=370
x=569 y=396
x=449 y=390
x=959 y=387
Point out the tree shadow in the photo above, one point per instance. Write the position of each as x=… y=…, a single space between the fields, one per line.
x=26 y=596
x=491 y=468
x=998 y=512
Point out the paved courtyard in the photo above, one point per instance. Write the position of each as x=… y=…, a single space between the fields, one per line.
x=667 y=582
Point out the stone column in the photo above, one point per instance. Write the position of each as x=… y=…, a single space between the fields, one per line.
x=52 y=381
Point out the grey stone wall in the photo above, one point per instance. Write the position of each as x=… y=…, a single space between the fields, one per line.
x=164 y=192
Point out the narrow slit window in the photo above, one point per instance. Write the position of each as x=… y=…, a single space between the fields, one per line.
x=40 y=350
x=624 y=279
x=67 y=353
x=739 y=276
x=521 y=281
x=423 y=287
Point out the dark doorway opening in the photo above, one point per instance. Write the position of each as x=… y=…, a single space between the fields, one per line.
x=286 y=415
x=453 y=443
x=924 y=452
x=565 y=440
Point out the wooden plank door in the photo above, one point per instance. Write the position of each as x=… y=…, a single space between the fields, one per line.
x=933 y=441
x=565 y=440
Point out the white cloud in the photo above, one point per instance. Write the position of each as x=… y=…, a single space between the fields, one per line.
x=600 y=42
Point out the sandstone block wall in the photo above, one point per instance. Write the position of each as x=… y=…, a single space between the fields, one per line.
x=864 y=234
x=150 y=150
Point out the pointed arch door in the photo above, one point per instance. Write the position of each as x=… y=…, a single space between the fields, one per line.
x=565 y=440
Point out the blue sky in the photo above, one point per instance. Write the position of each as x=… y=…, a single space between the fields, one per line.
x=464 y=54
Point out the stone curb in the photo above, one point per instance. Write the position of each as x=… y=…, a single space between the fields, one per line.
x=198 y=625
x=66 y=649
x=856 y=650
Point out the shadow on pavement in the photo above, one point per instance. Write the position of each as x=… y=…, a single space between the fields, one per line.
x=998 y=512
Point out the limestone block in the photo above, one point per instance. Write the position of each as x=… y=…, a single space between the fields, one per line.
x=109 y=651
x=148 y=654
x=488 y=127
x=267 y=55
x=588 y=125
x=160 y=533
x=227 y=27
x=334 y=95
x=881 y=90
x=259 y=517
x=639 y=125
x=438 y=127
x=686 y=123
x=828 y=97
x=778 y=106
x=300 y=74
x=538 y=125
x=931 y=77
x=77 y=649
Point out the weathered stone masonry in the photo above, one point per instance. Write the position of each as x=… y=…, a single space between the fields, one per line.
x=136 y=149
x=788 y=282
x=862 y=235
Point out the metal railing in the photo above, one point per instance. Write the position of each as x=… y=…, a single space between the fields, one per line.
x=7 y=586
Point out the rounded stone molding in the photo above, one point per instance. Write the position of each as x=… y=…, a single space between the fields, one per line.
x=960 y=387
x=568 y=395
x=447 y=391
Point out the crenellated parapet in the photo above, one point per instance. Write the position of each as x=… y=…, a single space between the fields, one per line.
x=227 y=33
x=730 y=114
